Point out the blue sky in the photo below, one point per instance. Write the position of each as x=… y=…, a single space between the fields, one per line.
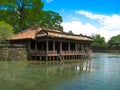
x=88 y=16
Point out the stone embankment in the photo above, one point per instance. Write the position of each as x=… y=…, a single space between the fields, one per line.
x=13 y=53
x=106 y=49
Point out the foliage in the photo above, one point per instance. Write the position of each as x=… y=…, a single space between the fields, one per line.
x=50 y=19
x=20 y=13
x=114 y=41
x=70 y=32
x=98 y=41
x=23 y=14
x=6 y=30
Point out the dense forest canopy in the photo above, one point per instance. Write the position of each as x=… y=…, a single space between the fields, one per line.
x=23 y=14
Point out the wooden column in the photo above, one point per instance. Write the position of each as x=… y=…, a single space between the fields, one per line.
x=60 y=46
x=46 y=49
x=46 y=46
x=53 y=45
x=68 y=46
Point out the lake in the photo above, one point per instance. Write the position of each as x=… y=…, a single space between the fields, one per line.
x=101 y=72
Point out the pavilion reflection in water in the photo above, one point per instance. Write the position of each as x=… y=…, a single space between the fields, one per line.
x=69 y=66
x=40 y=74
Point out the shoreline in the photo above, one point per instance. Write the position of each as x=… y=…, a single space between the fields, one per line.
x=106 y=51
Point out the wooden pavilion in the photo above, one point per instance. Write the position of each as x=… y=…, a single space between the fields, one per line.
x=49 y=44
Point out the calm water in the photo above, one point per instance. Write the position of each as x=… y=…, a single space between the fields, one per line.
x=102 y=72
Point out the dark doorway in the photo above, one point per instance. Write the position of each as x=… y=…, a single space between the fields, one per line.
x=57 y=46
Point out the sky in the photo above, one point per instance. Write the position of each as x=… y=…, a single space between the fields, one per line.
x=88 y=17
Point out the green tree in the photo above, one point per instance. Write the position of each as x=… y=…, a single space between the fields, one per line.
x=98 y=41
x=6 y=31
x=21 y=14
x=50 y=19
x=114 y=41
x=70 y=32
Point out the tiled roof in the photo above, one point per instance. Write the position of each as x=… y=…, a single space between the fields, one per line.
x=63 y=35
x=27 y=34
x=42 y=32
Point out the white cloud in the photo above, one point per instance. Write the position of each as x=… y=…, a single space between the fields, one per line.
x=112 y=22
x=77 y=27
x=91 y=15
x=108 y=22
x=109 y=25
x=48 y=1
x=76 y=19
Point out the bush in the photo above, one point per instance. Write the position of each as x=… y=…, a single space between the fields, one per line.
x=6 y=31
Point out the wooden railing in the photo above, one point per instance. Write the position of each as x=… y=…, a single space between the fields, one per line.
x=72 y=52
x=55 y=53
x=34 y=53
x=42 y=53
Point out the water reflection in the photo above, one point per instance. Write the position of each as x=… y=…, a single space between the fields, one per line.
x=100 y=73
x=78 y=66
x=40 y=75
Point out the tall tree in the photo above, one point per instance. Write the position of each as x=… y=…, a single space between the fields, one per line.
x=51 y=19
x=21 y=14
